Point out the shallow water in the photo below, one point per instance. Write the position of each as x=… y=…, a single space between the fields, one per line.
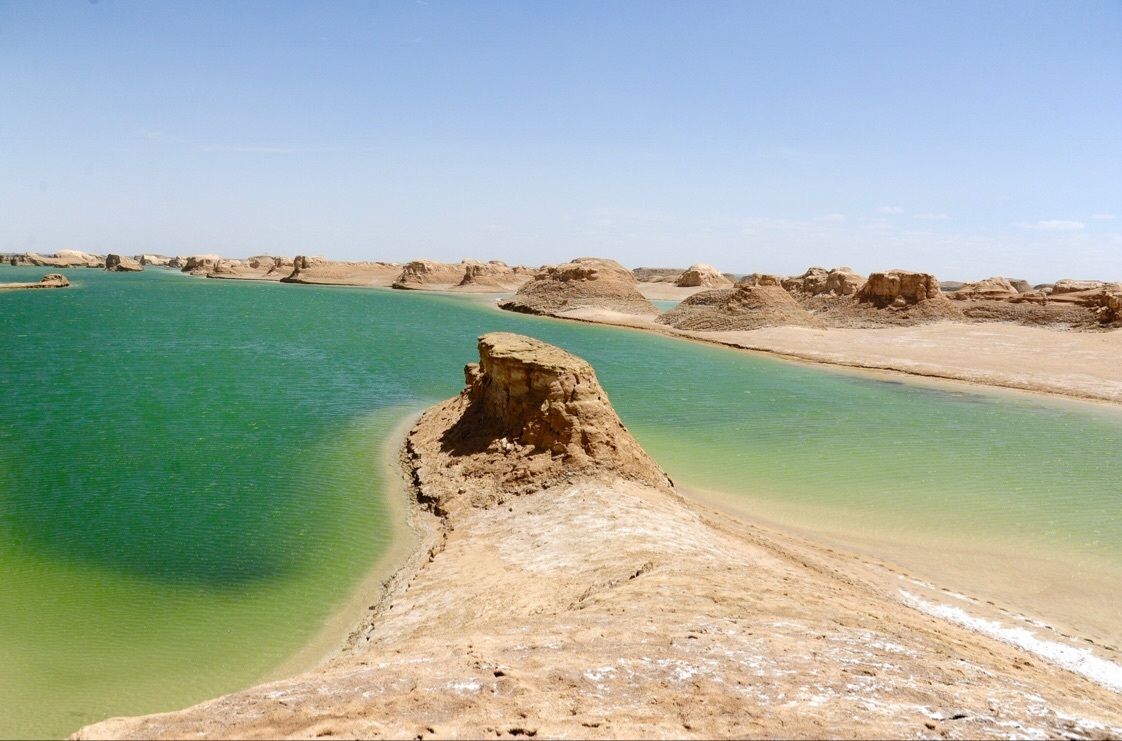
x=189 y=480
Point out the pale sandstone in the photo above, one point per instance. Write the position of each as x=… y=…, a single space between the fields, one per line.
x=816 y=281
x=51 y=280
x=320 y=271
x=61 y=259
x=703 y=276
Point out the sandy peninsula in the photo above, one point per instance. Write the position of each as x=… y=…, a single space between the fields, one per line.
x=565 y=588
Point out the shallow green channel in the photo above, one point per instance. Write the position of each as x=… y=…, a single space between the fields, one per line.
x=190 y=484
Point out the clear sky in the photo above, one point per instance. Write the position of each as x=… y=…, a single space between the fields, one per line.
x=965 y=139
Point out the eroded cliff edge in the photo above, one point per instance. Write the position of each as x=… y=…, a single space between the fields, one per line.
x=565 y=589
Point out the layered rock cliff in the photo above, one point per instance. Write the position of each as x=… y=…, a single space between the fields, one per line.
x=532 y=415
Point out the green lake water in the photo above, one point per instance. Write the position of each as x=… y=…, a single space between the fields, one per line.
x=190 y=480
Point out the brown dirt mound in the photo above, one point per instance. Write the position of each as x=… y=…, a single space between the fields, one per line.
x=745 y=307
x=586 y=282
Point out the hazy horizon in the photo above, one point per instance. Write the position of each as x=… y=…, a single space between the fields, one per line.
x=962 y=139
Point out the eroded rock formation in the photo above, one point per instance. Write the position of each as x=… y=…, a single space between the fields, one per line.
x=200 y=264
x=756 y=302
x=532 y=415
x=61 y=259
x=700 y=274
x=495 y=275
x=320 y=271
x=584 y=283
x=818 y=281
x=51 y=280
x=122 y=264
x=899 y=288
x=431 y=274
x=657 y=275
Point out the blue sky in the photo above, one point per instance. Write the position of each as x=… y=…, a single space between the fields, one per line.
x=964 y=139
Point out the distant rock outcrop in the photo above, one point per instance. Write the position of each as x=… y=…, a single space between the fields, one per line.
x=752 y=304
x=320 y=271
x=700 y=274
x=992 y=289
x=657 y=275
x=51 y=280
x=155 y=261
x=1067 y=285
x=531 y=415
x=899 y=288
x=586 y=282
x=200 y=264
x=1111 y=310
x=495 y=275
x=122 y=264
x=818 y=281
x=761 y=279
x=431 y=274
x=61 y=259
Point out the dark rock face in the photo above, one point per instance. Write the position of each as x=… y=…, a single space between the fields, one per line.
x=121 y=264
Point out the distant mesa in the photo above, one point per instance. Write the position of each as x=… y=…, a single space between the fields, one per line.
x=121 y=264
x=658 y=275
x=200 y=264
x=1067 y=286
x=495 y=275
x=61 y=259
x=990 y=289
x=258 y=267
x=818 y=281
x=467 y=276
x=899 y=288
x=154 y=261
x=430 y=274
x=316 y=270
x=1065 y=304
x=584 y=283
x=702 y=275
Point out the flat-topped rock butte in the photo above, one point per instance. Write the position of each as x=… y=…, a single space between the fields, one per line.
x=564 y=588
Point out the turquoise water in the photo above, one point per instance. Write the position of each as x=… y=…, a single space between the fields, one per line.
x=189 y=482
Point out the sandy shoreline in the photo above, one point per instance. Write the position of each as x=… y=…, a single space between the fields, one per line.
x=601 y=607
x=1078 y=365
